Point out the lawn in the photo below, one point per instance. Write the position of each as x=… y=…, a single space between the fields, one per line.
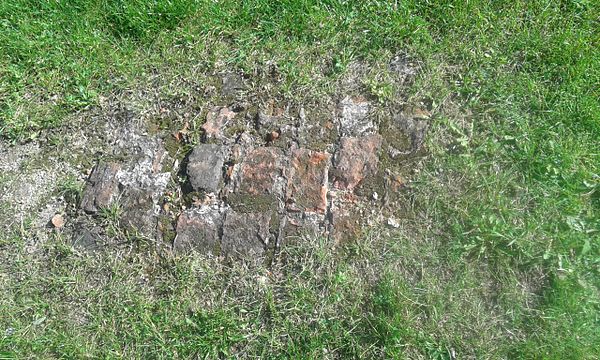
x=498 y=255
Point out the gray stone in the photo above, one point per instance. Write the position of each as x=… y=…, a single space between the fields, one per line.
x=232 y=83
x=199 y=229
x=139 y=215
x=205 y=167
x=101 y=188
x=297 y=226
x=86 y=237
x=246 y=233
x=414 y=123
x=353 y=115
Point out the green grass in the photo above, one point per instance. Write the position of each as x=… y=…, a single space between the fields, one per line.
x=498 y=258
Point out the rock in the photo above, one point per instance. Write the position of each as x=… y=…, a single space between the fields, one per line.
x=216 y=120
x=393 y=223
x=258 y=182
x=307 y=182
x=57 y=221
x=232 y=83
x=298 y=225
x=353 y=114
x=205 y=167
x=317 y=129
x=345 y=223
x=355 y=160
x=139 y=213
x=246 y=233
x=414 y=123
x=261 y=172
x=101 y=187
x=86 y=238
x=403 y=66
x=199 y=229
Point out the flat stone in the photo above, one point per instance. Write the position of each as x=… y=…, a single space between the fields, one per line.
x=345 y=223
x=355 y=160
x=414 y=124
x=101 y=187
x=297 y=226
x=307 y=181
x=86 y=237
x=232 y=83
x=216 y=120
x=205 y=167
x=261 y=172
x=198 y=229
x=246 y=233
x=139 y=216
x=353 y=115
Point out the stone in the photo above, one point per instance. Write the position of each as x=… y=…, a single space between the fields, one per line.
x=246 y=233
x=345 y=223
x=317 y=129
x=58 y=221
x=199 y=229
x=353 y=115
x=205 y=167
x=355 y=160
x=139 y=215
x=101 y=187
x=86 y=238
x=414 y=123
x=216 y=120
x=258 y=182
x=307 y=181
x=402 y=65
x=296 y=226
x=261 y=172
x=392 y=222
x=232 y=83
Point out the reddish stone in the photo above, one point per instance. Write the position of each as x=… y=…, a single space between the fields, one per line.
x=307 y=181
x=355 y=160
x=261 y=171
x=216 y=119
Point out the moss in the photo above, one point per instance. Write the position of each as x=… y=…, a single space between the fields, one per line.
x=167 y=229
x=247 y=203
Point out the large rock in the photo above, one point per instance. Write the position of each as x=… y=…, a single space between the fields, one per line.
x=101 y=187
x=355 y=160
x=199 y=229
x=307 y=182
x=205 y=167
x=246 y=233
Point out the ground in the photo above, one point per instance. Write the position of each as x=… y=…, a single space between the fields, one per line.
x=488 y=247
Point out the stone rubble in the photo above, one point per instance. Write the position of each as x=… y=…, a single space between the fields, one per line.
x=269 y=184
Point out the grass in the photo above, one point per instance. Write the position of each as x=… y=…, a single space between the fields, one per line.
x=499 y=256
